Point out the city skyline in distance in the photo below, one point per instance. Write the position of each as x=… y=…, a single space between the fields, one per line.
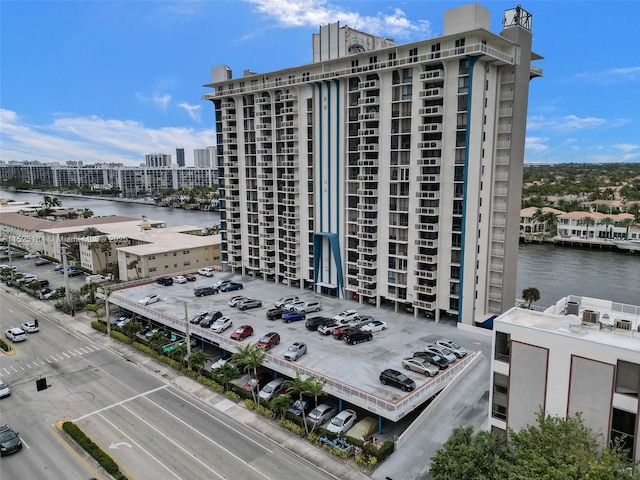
x=122 y=80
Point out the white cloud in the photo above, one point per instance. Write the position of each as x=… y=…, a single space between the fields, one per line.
x=627 y=147
x=564 y=124
x=536 y=144
x=192 y=110
x=314 y=13
x=93 y=139
x=156 y=99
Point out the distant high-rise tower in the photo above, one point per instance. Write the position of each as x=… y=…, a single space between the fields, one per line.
x=383 y=173
x=180 y=157
x=157 y=160
x=202 y=158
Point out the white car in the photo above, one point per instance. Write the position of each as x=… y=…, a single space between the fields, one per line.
x=342 y=421
x=458 y=350
x=295 y=351
x=179 y=279
x=15 y=334
x=5 y=391
x=346 y=316
x=206 y=272
x=374 y=326
x=30 y=327
x=295 y=305
x=282 y=301
x=322 y=413
x=221 y=324
x=30 y=256
x=149 y=299
x=30 y=277
x=234 y=301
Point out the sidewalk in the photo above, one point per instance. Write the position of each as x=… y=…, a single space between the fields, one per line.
x=316 y=456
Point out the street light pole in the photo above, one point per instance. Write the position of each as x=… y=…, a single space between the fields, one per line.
x=187 y=333
x=107 y=313
x=67 y=293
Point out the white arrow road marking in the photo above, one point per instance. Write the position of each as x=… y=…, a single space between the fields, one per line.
x=116 y=446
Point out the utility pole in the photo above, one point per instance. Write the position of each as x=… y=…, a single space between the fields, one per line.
x=107 y=313
x=67 y=293
x=187 y=333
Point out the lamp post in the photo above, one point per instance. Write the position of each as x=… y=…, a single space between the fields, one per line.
x=187 y=332
x=107 y=313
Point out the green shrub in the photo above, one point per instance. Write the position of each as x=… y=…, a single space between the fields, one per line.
x=233 y=396
x=100 y=326
x=121 y=337
x=265 y=412
x=4 y=346
x=292 y=427
x=250 y=404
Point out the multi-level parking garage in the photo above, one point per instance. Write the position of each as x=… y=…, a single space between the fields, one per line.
x=351 y=372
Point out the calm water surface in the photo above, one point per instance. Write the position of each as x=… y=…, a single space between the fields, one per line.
x=555 y=271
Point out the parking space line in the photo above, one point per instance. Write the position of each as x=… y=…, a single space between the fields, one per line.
x=71 y=352
x=63 y=353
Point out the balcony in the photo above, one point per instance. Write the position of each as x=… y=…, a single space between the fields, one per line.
x=427 y=227
x=430 y=127
x=429 y=195
x=432 y=110
x=368 y=85
x=368 y=147
x=432 y=93
x=426 y=289
x=369 y=116
x=428 y=211
x=430 y=145
x=428 y=178
x=369 y=132
x=432 y=74
x=368 y=100
x=430 y=259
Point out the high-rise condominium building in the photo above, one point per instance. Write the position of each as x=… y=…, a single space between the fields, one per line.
x=382 y=172
x=157 y=160
x=202 y=157
x=180 y=157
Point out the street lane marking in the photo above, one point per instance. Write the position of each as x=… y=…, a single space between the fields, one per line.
x=121 y=402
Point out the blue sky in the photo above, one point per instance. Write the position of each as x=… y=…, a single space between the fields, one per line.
x=103 y=81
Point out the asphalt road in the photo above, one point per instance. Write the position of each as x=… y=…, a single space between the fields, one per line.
x=151 y=428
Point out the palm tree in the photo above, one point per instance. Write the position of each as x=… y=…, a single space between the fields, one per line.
x=250 y=358
x=538 y=217
x=531 y=295
x=607 y=222
x=131 y=329
x=315 y=388
x=298 y=387
x=133 y=265
x=179 y=353
x=89 y=289
x=280 y=405
x=86 y=213
x=626 y=223
x=48 y=202
x=93 y=246
x=91 y=232
x=197 y=360
x=587 y=222
x=105 y=247
x=551 y=220
x=225 y=373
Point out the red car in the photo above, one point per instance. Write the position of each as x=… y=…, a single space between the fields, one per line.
x=269 y=341
x=242 y=332
x=260 y=381
x=339 y=332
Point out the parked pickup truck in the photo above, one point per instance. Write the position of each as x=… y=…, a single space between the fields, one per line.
x=97 y=279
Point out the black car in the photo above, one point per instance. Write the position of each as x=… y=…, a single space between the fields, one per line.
x=314 y=322
x=166 y=281
x=357 y=336
x=274 y=313
x=436 y=359
x=190 y=277
x=200 y=291
x=397 y=379
x=197 y=318
x=9 y=441
x=207 y=321
x=75 y=273
x=43 y=261
x=43 y=283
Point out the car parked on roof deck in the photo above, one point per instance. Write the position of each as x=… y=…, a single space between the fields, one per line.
x=346 y=316
x=149 y=299
x=42 y=261
x=322 y=413
x=397 y=379
x=314 y=322
x=292 y=316
x=242 y=332
x=268 y=341
x=282 y=301
x=221 y=283
x=221 y=324
x=442 y=351
x=357 y=336
x=342 y=421
x=306 y=306
x=434 y=358
x=206 y=272
x=205 y=290
x=374 y=326
x=295 y=351
x=31 y=256
x=190 y=277
x=297 y=305
x=420 y=365
x=274 y=313
x=30 y=277
x=249 y=303
x=234 y=301
x=209 y=318
x=339 y=332
x=458 y=350
x=9 y=440
x=179 y=279
x=166 y=281
x=197 y=318
x=328 y=328
x=230 y=287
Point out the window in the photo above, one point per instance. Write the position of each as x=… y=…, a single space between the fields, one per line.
x=503 y=346
x=152 y=269
x=500 y=392
x=627 y=378
x=623 y=428
x=185 y=252
x=186 y=264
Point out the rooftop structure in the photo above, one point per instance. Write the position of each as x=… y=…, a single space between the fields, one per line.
x=579 y=355
x=382 y=172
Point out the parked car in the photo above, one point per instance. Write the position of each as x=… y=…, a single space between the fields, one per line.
x=45 y=291
x=458 y=350
x=42 y=261
x=434 y=358
x=15 y=334
x=75 y=273
x=5 y=391
x=260 y=381
x=297 y=305
x=166 y=281
x=301 y=405
x=295 y=351
x=98 y=279
x=221 y=283
x=374 y=326
x=397 y=379
x=342 y=421
x=346 y=316
x=314 y=322
x=282 y=301
x=308 y=306
x=206 y=272
x=234 y=301
x=149 y=299
x=31 y=256
x=9 y=440
x=339 y=332
x=197 y=318
x=209 y=318
x=209 y=290
x=421 y=366
x=292 y=316
x=190 y=277
x=223 y=361
x=322 y=413
x=221 y=324
x=30 y=327
x=272 y=389
x=70 y=268
x=242 y=332
x=328 y=328
x=357 y=336
x=29 y=277
x=442 y=351
x=179 y=279
x=122 y=321
x=43 y=283
x=274 y=313
x=230 y=287
x=268 y=341
x=249 y=303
